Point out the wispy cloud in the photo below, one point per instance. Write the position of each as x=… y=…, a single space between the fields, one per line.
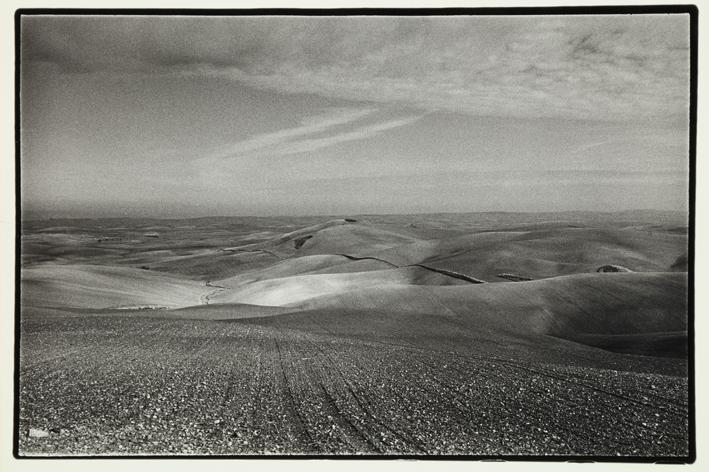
x=309 y=126
x=364 y=132
x=217 y=170
x=330 y=128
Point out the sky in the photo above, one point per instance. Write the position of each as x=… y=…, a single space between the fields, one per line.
x=200 y=116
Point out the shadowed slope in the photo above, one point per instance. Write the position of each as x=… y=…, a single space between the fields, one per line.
x=617 y=303
x=648 y=309
x=215 y=265
x=544 y=253
x=331 y=237
x=356 y=239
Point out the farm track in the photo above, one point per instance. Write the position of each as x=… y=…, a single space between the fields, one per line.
x=120 y=385
x=449 y=273
x=205 y=299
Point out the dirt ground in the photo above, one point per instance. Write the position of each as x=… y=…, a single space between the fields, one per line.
x=412 y=366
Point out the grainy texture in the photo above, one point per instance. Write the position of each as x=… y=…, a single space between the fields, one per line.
x=113 y=385
x=394 y=361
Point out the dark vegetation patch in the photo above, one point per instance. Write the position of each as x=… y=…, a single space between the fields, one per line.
x=450 y=273
x=513 y=277
x=613 y=268
x=298 y=243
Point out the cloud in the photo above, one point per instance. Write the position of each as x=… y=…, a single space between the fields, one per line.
x=616 y=67
x=312 y=125
x=307 y=145
x=315 y=133
x=246 y=157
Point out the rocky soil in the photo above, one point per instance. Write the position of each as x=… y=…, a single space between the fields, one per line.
x=129 y=385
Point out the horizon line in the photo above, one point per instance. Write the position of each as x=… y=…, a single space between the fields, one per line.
x=323 y=215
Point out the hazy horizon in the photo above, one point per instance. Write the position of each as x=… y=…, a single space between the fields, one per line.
x=44 y=215
x=277 y=116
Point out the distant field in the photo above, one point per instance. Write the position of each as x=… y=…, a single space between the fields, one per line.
x=482 y=334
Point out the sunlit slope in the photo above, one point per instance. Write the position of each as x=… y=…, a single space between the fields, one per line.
x=87 y=286
x=218 y=312
x=289 y=290
x=322 y=263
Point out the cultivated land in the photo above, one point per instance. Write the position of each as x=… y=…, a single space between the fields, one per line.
x=480 y=334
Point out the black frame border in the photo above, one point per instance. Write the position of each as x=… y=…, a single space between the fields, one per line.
x=689 y=9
